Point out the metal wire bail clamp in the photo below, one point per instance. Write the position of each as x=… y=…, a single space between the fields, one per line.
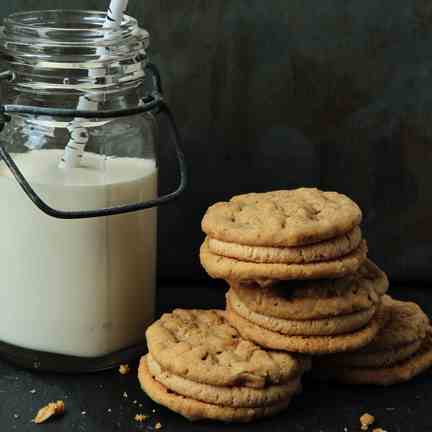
x=152 y=103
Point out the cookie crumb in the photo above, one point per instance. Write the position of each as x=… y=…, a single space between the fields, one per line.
x=158 y=426
x=141 y=418
x=16 y=416
x=32 y=391
x=124 y=369
x=125 y=395
x=366 y=420
x=52 y=409
x=83 y=412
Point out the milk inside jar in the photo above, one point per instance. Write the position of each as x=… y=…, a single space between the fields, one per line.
x=77 y=291
x=82 y=287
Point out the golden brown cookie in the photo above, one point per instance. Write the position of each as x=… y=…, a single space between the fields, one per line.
x=323 y=251
x=316 y=345
x=309 y=300
x=221 y=267
x=365 y=359
x=232 y=396
x=282 y=218
x=200 y=345
x=394 y=374
x=196 y=410
x=399 y=339
x=407 y=324
x=319 y=327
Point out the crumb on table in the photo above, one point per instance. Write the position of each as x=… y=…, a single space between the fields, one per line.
x=140 y=418
x=378 y=430
x=124 y=369
x=366 y=420
x=158 y=426
x=50 y=410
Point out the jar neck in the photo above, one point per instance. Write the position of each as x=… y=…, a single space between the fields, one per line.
x=69 y=52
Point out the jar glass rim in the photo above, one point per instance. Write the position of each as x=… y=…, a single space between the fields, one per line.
x=64 y=25
x=72 y=51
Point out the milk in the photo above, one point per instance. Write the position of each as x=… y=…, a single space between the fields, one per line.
x=80 y=287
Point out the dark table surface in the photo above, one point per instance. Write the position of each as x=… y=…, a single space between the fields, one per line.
x=108 y=401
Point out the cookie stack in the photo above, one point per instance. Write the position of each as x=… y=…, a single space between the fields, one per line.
x=297 y=269
x=314 y=317
x=283 y=235
x=199 y=366
x=300 y=284
x=401 y=350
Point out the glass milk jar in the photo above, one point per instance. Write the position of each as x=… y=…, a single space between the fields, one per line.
x=77 y=215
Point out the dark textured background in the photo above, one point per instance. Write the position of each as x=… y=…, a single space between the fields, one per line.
x=277 y=94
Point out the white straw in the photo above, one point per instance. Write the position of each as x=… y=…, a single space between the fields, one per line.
x=115 y=13
x=79 y=135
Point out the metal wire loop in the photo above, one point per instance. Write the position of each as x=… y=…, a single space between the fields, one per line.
x=153 y=103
